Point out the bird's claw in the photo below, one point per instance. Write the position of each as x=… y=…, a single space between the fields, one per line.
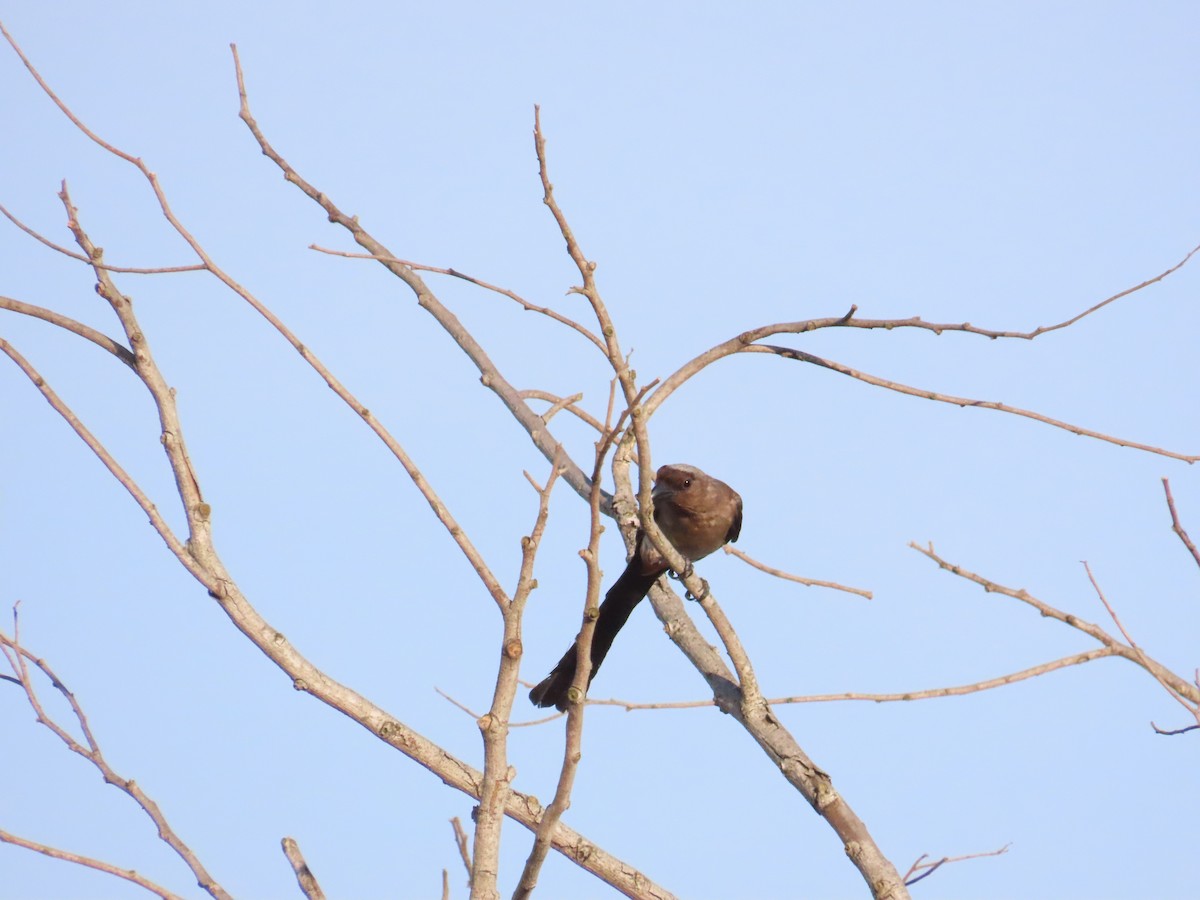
x=688 y=595
x=680 y=576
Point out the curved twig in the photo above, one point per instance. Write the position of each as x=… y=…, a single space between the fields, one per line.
x=1164 y=675
x=788 y=576
x=130 y=270
x=68 y=324
x=1074 y=659
x=18 y=659
x=478 y=282
x=802 y=356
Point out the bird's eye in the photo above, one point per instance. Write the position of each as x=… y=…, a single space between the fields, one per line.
x=687 y=482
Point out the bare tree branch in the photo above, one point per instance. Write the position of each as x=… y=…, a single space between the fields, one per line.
x=460 y=840
x=88 y=862
x=1175 y=684
x=742 y=700
x=791 y=353
x=304 y=876
x=525 y=304
x=69 y=324
x=202 y=560
x=787 y=576
x=573 y=738
x=934 y=866
x=491 y=377
x=18 y=658
x=1176 y=526
x=497 y=774
x=1192 y=708
x=928 y=694
x=131 y=270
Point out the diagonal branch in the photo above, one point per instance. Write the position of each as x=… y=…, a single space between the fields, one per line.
x=1164 y=675
x=788 y=576
x=131 y=270
x=18 y=659
x=802 y=356
x=129 y=875
x=68 y=324
x=478 y=282
x=426 y=299
x=1177 y=526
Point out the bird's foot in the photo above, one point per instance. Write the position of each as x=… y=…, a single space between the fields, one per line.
x=688 y=595
x=679 y=576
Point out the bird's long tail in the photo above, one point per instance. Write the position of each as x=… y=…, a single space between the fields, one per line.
x=626 y=593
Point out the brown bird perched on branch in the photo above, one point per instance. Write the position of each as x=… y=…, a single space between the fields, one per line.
x=698 y=514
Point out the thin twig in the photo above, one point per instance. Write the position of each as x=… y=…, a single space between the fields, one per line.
x=933 y=867
x=131 y=270
x=118 y=472
x=787 y=576
x=1156 y=669
x=478 y=282
x=927 y=694
x=84 y=331
x=460 y=839
x=802 y=356
x=88 y=862
x=18 y=657
x=1191 y=708
x=560 y=403
x=747 y=339
x=1177 y=526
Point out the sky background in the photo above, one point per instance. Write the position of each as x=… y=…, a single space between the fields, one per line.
x=726 y=167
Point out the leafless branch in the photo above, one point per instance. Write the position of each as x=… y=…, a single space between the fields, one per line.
x=88 y=862
x=560 y=403
x=478 y=282
x=131 y=270
x=493 y=726
x=928 y=694
x=1192 y=708
x=1176 y=526
x=1117 y=296
x=1176 y=685
x=743 y=699
x=791 y=353
x=787 y=576
x=304 y=876
x=203 y=562
x=426 y=299
x=123 y=478
x=69 y=324
x=18 y=659
x=573 y=738
x=934 y=866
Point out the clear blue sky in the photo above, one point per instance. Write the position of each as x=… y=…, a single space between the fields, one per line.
x=1007 y=165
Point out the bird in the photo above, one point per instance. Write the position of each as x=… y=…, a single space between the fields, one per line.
x=699 y=515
